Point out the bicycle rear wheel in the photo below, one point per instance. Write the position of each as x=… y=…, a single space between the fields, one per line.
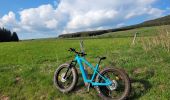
x=68 y=83
x=120 y=87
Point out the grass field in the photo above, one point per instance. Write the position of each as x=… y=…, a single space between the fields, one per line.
x=27 y=68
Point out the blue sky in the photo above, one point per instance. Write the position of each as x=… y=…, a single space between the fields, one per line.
x=17 y=5
x=50 y=18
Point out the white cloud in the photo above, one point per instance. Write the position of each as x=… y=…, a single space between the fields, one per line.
x=8 y=20
x=85 y=14
x=91 y=19
x=155 y=12
x=149 y=11
x=120 y=25
x=43 y=17
x=78 y=15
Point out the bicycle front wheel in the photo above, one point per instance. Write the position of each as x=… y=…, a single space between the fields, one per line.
x=120 y=87
x=67 y=83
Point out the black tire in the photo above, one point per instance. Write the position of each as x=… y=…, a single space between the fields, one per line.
x=106 y=93
x=73 y=78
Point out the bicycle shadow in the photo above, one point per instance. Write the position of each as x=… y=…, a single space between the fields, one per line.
x=80 y=87
x=140 y=84
x=139 y=88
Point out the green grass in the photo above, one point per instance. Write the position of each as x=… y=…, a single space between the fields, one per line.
x=27 y=68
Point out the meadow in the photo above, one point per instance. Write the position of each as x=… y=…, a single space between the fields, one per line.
x=27 y=67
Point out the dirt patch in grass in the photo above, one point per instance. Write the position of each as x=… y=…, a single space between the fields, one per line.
x=4 y=98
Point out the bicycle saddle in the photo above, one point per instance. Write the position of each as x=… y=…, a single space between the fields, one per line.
x=102 y=58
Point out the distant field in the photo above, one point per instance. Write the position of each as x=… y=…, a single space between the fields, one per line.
x=145 y=31
x=27 y=67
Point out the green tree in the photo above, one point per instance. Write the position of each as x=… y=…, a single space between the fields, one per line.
x=14 y=37
x=5 y=35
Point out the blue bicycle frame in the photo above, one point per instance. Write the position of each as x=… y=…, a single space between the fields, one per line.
x=80 y=61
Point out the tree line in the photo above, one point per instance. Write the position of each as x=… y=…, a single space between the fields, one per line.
x=7 y=36
x=156 y=22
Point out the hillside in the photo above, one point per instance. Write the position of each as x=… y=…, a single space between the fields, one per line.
x=142 y=32
x=155 y=22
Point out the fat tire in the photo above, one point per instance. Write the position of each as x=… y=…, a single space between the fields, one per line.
x=127 y=84
x=75 y=78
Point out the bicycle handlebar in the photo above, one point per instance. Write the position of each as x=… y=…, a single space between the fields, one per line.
x=79 y=53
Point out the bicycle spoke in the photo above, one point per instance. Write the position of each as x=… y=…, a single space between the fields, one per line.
x=107 y=76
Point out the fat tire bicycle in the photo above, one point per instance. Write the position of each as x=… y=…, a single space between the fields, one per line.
x=111 y=83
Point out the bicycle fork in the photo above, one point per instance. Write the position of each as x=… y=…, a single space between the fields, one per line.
x=69 y=68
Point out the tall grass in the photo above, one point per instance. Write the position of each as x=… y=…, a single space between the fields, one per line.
x=162 y=40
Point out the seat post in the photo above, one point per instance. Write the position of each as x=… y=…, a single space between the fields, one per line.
x=99 y=61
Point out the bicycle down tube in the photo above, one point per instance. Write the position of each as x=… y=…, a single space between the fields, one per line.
x=81 y=60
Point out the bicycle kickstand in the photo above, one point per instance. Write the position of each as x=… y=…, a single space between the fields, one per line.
x=88 y=87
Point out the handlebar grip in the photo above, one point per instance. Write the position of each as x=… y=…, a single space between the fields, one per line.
x=72 y=50
x=79 y=53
